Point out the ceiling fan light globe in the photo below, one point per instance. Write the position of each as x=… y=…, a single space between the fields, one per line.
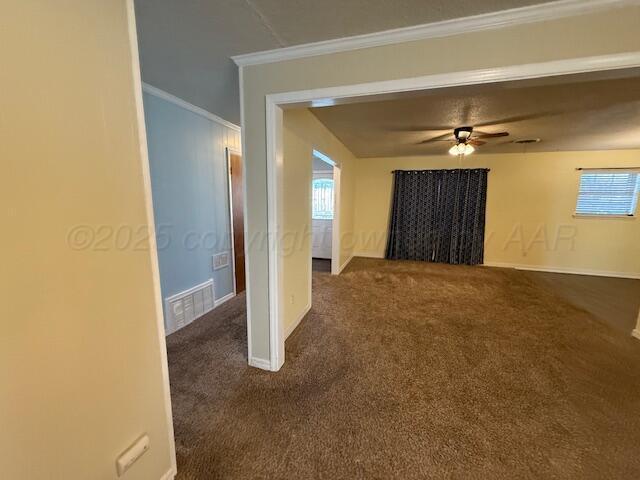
x=461 y=149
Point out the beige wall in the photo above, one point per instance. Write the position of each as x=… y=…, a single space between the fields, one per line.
x=531 y=199
x=302 y=134
x=81 y=372
x=602 y=33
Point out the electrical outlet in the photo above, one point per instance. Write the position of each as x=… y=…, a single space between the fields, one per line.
x=292 y=299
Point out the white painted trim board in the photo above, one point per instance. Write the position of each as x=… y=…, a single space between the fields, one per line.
x=153 y=248
x=486 y=21
x=224 y=299
x=536 y=268
x=346 y=262
x=252 y=361
x=570 y=271
x=274 y=132
x=470 y=77
x=289 y=330
x=170 y=475
x=368 y=255
x=156 y=92
x=260 y=363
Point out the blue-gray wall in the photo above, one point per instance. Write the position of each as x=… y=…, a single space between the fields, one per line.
x=190 y=195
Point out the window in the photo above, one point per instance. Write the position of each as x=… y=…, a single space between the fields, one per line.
x=322 y=199
x=608 y=193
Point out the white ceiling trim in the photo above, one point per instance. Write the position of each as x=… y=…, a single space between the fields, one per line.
x=486 y=21
x=156 y=92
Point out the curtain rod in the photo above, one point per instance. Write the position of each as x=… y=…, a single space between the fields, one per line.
x=608 y=168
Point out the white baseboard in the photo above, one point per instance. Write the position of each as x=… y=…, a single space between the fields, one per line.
x=226 y=298
x=572 y=271
x=260 y=363
x=534 y=268
x=369 y=254
x=170 y=475
x=344 y=265
x=636 y=333
x=293 y=326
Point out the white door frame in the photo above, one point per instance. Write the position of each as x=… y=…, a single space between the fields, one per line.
x=274 y=104
x=335 y=223
x=228 y=152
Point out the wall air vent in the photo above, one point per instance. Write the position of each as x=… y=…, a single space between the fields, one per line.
x=183 y=308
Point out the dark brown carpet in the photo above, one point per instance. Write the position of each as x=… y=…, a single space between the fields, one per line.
x=412 y=370
x=615 y=301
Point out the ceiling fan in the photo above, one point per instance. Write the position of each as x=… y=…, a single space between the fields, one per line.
x=466 y=139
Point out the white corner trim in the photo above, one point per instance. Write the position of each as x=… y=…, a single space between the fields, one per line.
x=275 y=151
x=156 y=92
x=571 y=271
x=636 y=334
x=486 y=21
x=346 y=262
x=170 y=475
x=289 y=330
x=245 y=202
x=260 y=363
x=224 y=299
x=153 y=247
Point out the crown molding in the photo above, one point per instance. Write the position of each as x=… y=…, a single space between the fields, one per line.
x=456 y=26
x=156 y=92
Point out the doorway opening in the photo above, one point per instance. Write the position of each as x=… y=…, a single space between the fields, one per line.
x=325 y=214
x=276 y=103
x=236 y=213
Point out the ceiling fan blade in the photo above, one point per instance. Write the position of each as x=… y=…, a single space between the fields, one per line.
x=479 y=134
x=439 y=138
x=476 y=143
x=466 y=113
x=424 y=128
x=519 y=118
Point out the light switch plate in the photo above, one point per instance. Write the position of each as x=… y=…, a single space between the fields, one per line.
x=132 y=454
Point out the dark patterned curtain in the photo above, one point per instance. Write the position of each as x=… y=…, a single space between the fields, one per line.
x=438 y=216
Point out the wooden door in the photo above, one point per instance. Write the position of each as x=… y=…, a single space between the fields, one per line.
x=237 y=218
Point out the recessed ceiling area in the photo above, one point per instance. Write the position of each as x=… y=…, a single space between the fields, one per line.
x=596 y=111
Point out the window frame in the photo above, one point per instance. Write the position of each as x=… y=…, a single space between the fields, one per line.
x=635 y=199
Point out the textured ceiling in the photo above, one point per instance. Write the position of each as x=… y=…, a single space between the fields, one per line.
x=304 y=21
x=578 y=112
x=186 y=45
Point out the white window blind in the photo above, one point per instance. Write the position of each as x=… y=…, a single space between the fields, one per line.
x=322 y=199
x=605 y=192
